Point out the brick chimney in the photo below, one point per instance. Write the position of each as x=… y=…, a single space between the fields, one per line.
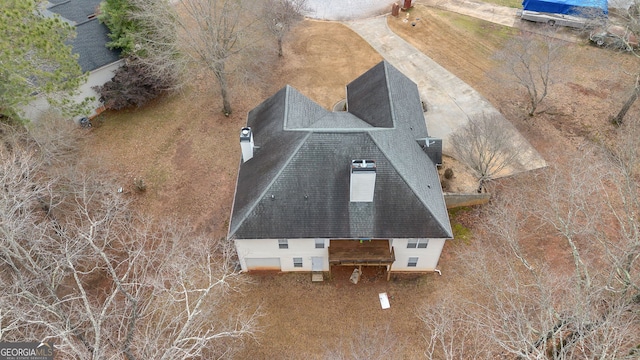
x=246 y=143
x=363 y=180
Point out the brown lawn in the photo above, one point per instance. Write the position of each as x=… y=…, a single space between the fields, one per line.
x=188 y=155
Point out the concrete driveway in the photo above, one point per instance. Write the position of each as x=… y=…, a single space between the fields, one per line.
x=450 y=101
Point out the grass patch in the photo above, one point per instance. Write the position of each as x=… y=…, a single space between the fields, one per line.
x=483 y=30
x=508 y=3
x=158 y=176
x=461 y=44
x=498 y=34
x=461 y=233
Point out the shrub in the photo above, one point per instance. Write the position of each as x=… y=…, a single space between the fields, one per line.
x=133 y=84
x=448 y=174
x=140 y=185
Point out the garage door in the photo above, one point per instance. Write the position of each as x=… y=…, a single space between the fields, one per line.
x=263 y=263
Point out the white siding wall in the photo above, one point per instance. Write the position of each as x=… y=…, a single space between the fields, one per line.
x=268 y=248
x=305 y=249
x=97 y=77
x=427 y=258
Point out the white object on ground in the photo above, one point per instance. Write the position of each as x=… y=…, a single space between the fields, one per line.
x=355 y=276
x=384 y=300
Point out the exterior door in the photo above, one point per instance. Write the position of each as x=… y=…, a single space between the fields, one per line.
x=316 y=263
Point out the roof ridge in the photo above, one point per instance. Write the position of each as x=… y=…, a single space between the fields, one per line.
x=285 y=115
x=386 y=65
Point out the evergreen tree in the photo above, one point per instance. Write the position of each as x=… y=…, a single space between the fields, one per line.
x=35 y=58
x=116 y=14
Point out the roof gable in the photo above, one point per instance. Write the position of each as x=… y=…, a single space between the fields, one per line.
x=368 y=97
x=297 y=183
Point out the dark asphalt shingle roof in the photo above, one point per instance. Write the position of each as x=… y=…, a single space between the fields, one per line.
x=91 y=37
x=297 y=183
x=368 y=98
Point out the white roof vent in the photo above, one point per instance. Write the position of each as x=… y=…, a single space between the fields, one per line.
x=363 y=180
x=246 y=143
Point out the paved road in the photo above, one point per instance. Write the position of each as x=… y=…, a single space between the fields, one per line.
x=344 y=10
x=341 y=10
x=450 y=101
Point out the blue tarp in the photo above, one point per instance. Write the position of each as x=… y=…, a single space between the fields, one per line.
x=568 y=7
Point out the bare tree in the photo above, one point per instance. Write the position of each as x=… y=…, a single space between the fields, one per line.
x=449 y=335
x=516 y=305
x=625 y=37
x=533 y=62
x=182 y=311
x=146 y=31
x=280 y=16
x=629 y=20
x=577 y=214
x=619 y=118
x=224 y=37
x=623 y=205
x=155 y=40
x=83 y=270
x=487 y=146
x=367 y=344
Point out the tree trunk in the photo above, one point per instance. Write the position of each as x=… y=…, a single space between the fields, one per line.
x=130 y=329
x=218 y=69
x=280 y=47
x=625 y=108
x=533 y=100
x=226 y=105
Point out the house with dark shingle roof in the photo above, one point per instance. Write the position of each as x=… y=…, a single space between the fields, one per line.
x=89 y=44
x=358 y=187
x=91 y=35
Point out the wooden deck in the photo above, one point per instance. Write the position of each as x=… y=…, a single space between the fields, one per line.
x=361 y=253
x=354 y=252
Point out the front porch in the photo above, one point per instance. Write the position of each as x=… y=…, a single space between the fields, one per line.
x=350 y=252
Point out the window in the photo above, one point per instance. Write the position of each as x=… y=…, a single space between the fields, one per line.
x=283 y=244
x=319 y=243
x=413 y=262
x=417 y=243
x=297 y=262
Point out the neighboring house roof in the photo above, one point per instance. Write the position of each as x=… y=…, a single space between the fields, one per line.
x=297 y=183
x=91 y=37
